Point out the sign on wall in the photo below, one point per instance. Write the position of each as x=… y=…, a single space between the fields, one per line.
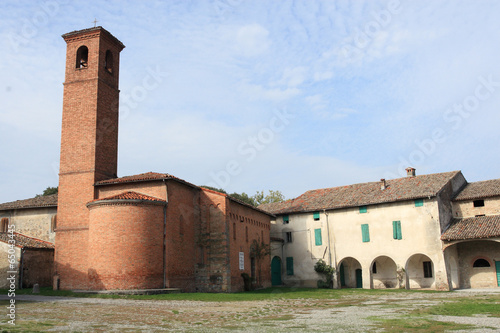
x=242 y=261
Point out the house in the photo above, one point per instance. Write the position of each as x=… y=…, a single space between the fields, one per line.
x=27 y=233
x=405 y=232
x=472 y=241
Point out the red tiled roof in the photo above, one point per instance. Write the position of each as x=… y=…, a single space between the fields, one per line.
x=41 y=201
x=477 y=190
x=473 y=228
x=148 y=176
x=26 y=241
x=130 y=195
x=400 y=189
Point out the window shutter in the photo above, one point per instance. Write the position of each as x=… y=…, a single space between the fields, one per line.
x=363 y=209
x=316 y=216
x=286 y=219
x=395 y=229
x=399 y=233
x=419 y=202
x=289 y=266
x=365 y=232
x=317 y=237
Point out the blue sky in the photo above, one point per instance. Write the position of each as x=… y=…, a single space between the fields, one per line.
x=259 y=95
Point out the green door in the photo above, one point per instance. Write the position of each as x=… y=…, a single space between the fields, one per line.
x=359 y=278
x=276 y=271
x=497 y=266
x=342 y=276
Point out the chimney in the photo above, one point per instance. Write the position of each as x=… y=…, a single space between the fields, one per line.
x=383 y=185
x=410 y=172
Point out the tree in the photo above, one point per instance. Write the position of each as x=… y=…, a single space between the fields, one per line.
x=327 y=271
x=273 y=196
x=243 y=197
x=49 y=191
x=214 y=189
x=259 y=250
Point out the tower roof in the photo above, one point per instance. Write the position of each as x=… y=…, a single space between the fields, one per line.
x=76 y=33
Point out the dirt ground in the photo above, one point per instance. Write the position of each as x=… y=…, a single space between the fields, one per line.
x=355 y=313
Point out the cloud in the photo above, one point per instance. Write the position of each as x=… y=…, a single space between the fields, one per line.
x=252 y=40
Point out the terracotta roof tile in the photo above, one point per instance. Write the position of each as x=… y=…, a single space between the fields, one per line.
x=473 y=228
x=41 y=201
x=400 y=189
x=148 y=176
x=483 y=189
x=130 y=195
x=26 y=241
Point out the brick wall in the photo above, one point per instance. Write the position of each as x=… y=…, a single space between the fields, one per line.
x=126 y=246
x=38 y=267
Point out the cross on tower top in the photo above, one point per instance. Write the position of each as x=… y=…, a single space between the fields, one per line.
x=95 y=22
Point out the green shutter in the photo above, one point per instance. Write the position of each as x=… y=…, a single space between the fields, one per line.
x=363 y=209
x=316 y=216
x=289 y=266
x=286 y=219
x=317 y=237
x=396 y=230
x=365 y=232
x=419 y=202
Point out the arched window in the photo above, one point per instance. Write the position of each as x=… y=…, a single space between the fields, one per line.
x=108 y=61
x=82 y=57
x=481 y=263
x=4 y=224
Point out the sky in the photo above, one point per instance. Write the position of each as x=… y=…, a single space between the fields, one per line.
x=263 y=95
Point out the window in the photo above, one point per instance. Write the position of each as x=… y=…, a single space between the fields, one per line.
x=82 y=57
x=427 y=269
x=4 y=224
x=289 y=237
x=234 y=231
x=108 y=62
x=317 y=237
x=53 y=224
x=316 y=216
x=365 y=233
x=286 y=219
x=396 y=230
x=419 y=202
x=374 y=268
x=363 y=209
x=289 y=266
x=478 y=203
x=481 y=263
x=246 y=233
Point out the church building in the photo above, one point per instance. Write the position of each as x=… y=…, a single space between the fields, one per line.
x=146 y=231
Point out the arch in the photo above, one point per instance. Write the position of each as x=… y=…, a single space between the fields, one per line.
x=108 y=61
x=82 y=57
x=481 y=263
x=419 y=272
x=276 y=271
x=350 y=273
x=383 y=273
x=471 y=259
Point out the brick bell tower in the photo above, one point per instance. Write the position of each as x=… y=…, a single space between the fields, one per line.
x=89 y=144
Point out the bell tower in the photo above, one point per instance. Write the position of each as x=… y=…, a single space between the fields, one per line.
x=89 y=143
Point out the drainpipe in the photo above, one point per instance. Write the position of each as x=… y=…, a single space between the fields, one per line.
x=334 y=263
x=165 y=236
x=21 y=268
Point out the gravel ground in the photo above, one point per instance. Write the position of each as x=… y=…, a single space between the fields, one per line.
x=356 y=313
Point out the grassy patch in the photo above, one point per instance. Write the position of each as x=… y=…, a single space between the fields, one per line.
x=466 y=307
x=420 y=324
x=258 y=295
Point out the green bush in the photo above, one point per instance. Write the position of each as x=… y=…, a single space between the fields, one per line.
x=327 y=271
